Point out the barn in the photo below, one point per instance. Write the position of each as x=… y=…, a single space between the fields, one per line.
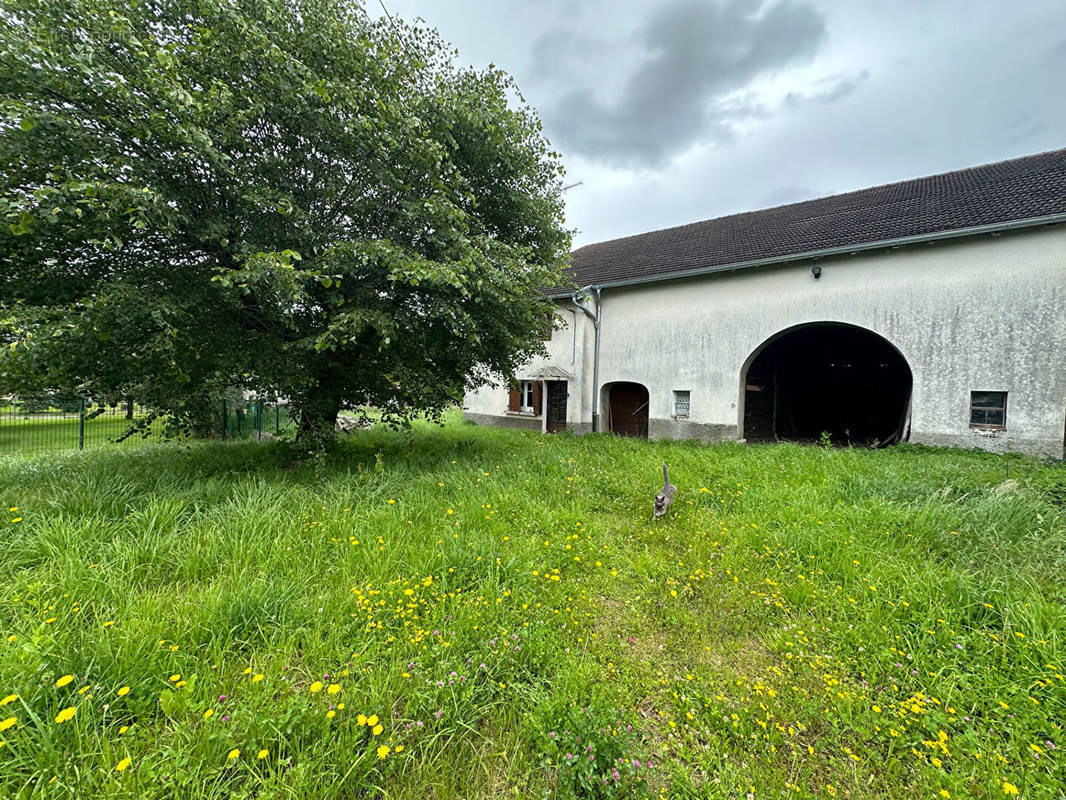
x=931 y=310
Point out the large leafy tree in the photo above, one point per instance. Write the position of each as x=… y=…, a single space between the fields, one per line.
x=279 y=194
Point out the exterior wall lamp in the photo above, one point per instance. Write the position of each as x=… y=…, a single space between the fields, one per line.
x=816 y=271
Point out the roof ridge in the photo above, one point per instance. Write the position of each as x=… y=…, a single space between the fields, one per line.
x=851 y=192
x=977 y=198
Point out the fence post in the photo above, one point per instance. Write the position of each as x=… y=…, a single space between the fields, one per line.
x=277 y=418
x=225 y=419
x=81 y=425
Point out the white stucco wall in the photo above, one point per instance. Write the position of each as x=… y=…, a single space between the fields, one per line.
x=985 y=313
x=570 y=349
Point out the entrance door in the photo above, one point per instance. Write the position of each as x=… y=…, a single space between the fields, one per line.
x=759 y=421
x=556 y=420
x=629 y=410
x=830 y=378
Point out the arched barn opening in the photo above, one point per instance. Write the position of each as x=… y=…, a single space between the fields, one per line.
x=627 y=408
x=828 y=377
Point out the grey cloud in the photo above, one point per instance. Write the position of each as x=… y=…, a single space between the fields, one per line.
x=829 y=90
x=698 y=56
x=562 y=52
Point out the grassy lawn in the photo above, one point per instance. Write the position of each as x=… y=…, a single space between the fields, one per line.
x=50 y=432
x=467 y=613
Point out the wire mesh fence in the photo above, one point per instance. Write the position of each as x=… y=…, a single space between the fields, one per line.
x=256 y=419
x=31 y=425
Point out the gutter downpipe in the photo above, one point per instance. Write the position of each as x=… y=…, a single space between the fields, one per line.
x=595 y=350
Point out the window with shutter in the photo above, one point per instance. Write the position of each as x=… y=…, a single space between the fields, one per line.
x=525 y=397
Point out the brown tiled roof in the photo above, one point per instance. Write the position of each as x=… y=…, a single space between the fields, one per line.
x=1022 y=188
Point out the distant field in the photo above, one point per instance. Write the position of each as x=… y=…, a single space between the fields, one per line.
x=478 y=613
x=29 y=434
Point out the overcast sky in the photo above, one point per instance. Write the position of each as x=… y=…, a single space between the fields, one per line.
x=673 y=111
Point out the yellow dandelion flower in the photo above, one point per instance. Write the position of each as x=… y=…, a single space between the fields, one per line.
x=17 y=519
x=175 y=677
x=383 y=751
x=11 y=698
x=234 y=754
x=331 y=714
x=64 y=681
x=360 y=719
x=262 y=754
x=316 y=687
x=399 y=749
x=247 y=671
x=123 y=691
x=377 y=730
x=66 y=714
x=11 y=638
x=123 y=729
x=209 y=713
x=333 y=688
x=7 y=723
x=1009 y=788
x=257 y=677
x=945 y=793
x=372 y=720
x=123 y=765
x=49 y=621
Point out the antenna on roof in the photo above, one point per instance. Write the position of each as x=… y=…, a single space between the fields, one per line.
x=572 y=185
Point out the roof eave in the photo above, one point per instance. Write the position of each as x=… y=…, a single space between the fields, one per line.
x=956 y=233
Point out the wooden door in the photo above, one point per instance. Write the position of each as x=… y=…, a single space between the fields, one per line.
x=557 y=392
x=629 y=410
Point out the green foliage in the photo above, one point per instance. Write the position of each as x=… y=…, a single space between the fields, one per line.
x=281 y=194
x=590 y=751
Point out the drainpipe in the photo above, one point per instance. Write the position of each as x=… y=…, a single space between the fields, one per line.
x=596 y=348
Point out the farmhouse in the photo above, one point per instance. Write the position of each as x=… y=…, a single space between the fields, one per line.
x=930 y=311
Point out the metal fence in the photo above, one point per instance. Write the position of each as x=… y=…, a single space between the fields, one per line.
x=37 y=425
x=256 y=419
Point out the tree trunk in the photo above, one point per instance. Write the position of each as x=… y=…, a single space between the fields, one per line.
x=318 y=420
x=129 y=408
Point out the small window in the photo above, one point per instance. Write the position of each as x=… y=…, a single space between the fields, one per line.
x=988 y=410
x=527 y=397
x=681 y=404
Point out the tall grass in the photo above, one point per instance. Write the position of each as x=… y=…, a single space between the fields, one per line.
x=804 y=623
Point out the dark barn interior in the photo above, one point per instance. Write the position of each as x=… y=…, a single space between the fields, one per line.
x=840 y=379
